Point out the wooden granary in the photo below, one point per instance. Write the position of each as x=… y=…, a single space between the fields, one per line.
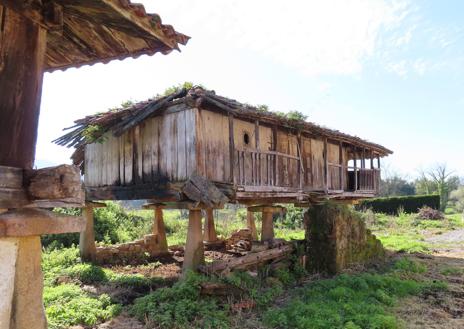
x=193 y=149
x=153 y=149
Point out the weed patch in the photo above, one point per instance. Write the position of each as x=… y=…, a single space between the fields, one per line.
x=68 y=305
x=181 y=307
x=347 y=301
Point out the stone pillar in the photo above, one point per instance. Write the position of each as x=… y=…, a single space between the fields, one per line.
x=251 y=225
x=159 y=229
x=209 y=234
x=87 y=246
x=194 y=249
x=267 y=229
x=21 y=284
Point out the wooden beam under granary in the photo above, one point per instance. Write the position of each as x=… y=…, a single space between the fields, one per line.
x=38 y=36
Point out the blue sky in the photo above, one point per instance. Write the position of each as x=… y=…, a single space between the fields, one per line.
x=388 y=71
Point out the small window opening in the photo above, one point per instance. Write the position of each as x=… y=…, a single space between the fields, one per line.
x=246 y=138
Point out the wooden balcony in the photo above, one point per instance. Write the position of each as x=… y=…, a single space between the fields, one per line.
x=265 y=171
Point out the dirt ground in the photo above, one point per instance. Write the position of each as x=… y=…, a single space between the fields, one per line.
x=442 y=310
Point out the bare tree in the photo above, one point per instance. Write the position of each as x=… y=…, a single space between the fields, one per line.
x=443 y=181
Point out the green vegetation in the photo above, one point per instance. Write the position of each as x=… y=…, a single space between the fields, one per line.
x=452 y=271
x=83 y=294
x=408 y=265
x=350 y=301
x=181 y=307
x=408 y=204
x=94 y=134
x=68 y=305
x=407 y=232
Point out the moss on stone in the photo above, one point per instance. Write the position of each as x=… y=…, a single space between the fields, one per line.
x=337 y=237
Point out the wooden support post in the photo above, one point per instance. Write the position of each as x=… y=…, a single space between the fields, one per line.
x=87 y=247
x=276 y=158
x=194 y=249
x=209 y=234
x=251 y=225
x=159 y=229
x=267 y=229
x=340 y=162
x=326 y=167
x=22 y=55
x=355 y=170
x=232 y=150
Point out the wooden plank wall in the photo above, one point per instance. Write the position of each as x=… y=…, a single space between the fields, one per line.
x=317 y=161
x=288 y=168
x=159 y=149
x=213 y=152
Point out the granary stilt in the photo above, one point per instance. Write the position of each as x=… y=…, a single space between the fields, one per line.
x=159 y=229
x=267 y=228
x=209 y=234
x=87 y=245
x=251 y=225
x=194 y=249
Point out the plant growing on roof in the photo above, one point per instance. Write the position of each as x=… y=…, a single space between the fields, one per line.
x=94 y=134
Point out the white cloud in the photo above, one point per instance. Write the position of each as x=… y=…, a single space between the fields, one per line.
x=400 y=68
x=316 y=37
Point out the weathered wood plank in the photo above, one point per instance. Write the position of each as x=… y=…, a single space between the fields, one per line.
x=251 y=259
x=181 y=170
x=150 y=191
x=232 y=155
x=190 y=140
x=128 y=157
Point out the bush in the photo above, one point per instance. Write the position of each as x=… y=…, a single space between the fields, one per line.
x=429 y=213
x=112 y=225
x=408 y=204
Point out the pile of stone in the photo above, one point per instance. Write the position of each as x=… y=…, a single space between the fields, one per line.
x=135 y=251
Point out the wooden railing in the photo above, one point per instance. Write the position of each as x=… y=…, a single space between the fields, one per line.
x=266 y=168
x=271 y=168
x=369 y=180
x=366 y=180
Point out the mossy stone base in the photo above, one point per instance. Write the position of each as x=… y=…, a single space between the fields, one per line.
x=337 y=237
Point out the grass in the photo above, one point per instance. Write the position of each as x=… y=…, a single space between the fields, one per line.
x=407 y=233
x=68 y=305
x=452 y=271
x=351 y=301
